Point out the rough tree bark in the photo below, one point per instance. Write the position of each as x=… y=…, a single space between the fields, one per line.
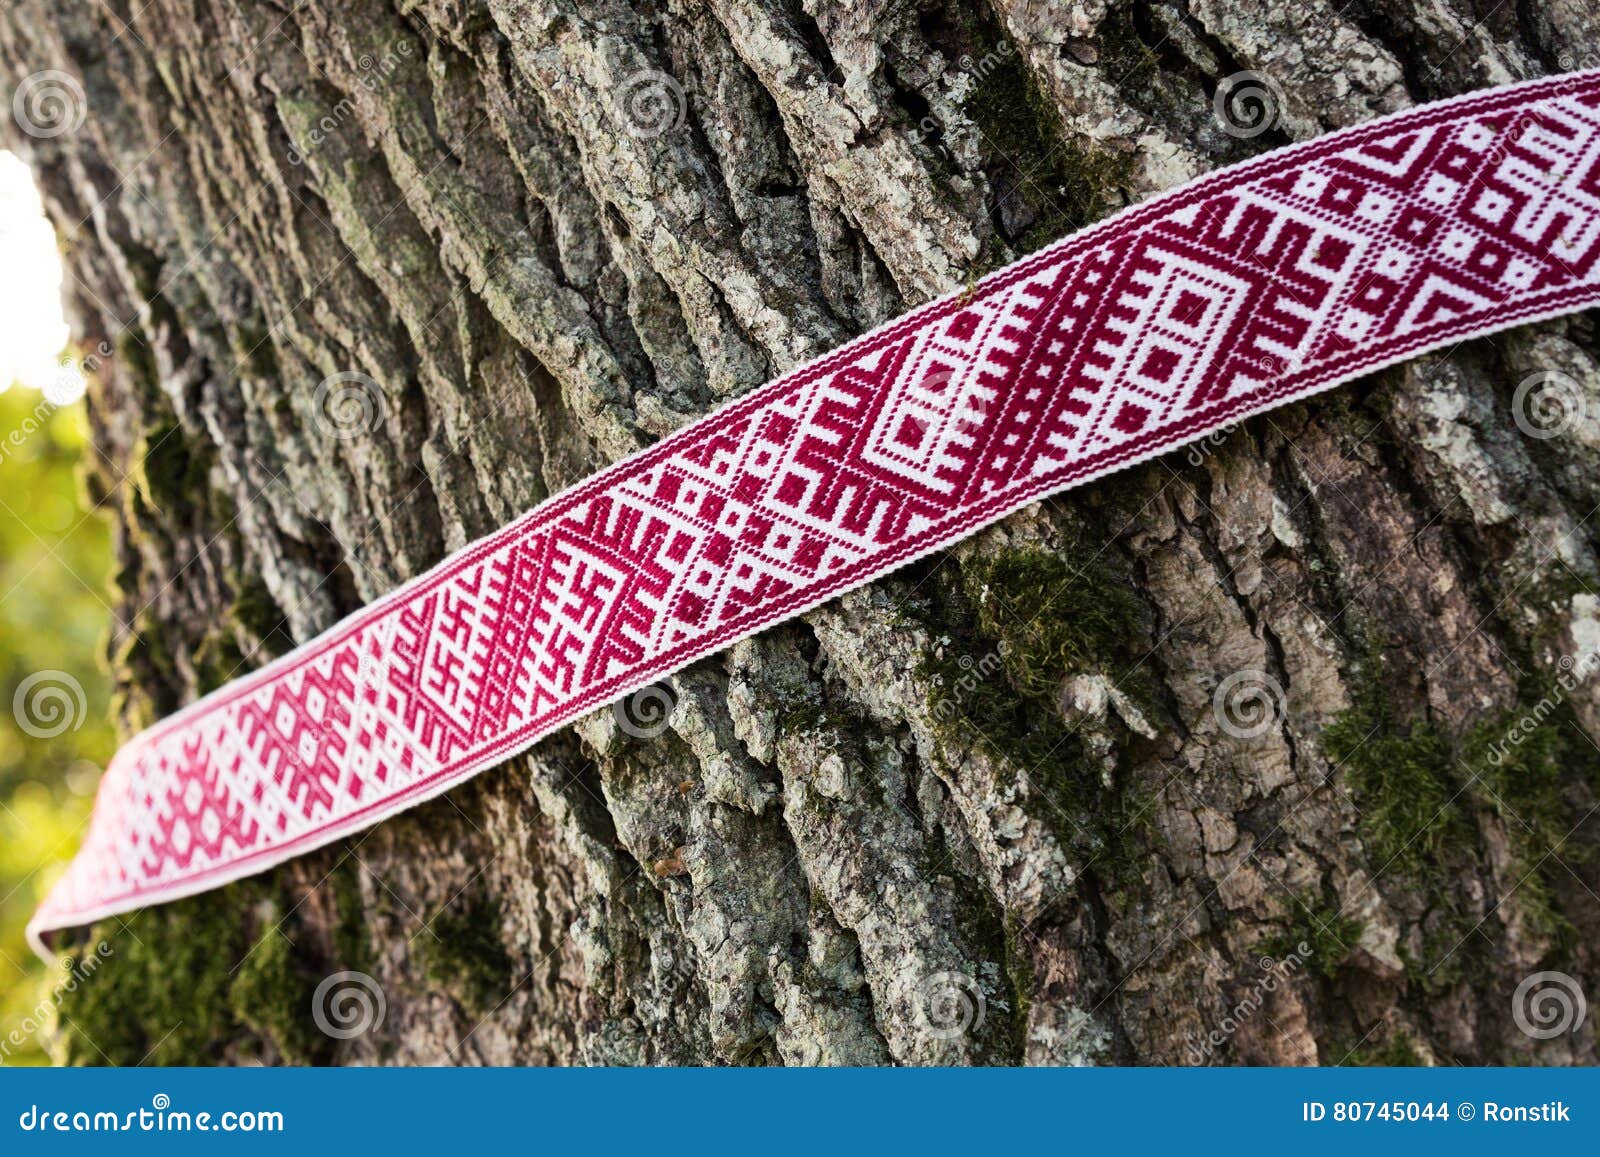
x=983 y=811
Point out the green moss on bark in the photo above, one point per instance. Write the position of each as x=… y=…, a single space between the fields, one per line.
x=1009 y=634
x=1317 y=932
x=462 y=954
x=1395 y=1051
x=169 y=474
x=1063 y=185
x=163 y=995
x=272 y=993
x=217 y=979
x=1421 y=792
x=1402 y=773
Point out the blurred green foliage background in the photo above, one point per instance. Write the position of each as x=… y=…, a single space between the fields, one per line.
x=55 y=557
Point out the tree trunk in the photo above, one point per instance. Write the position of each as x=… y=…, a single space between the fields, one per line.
x=1205 y=763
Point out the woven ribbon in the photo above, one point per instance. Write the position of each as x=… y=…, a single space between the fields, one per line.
x=1252 y=287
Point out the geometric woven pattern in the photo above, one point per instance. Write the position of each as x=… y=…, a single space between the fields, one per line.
x=1249 y=288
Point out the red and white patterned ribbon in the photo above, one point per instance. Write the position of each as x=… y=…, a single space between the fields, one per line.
x=1247 y=289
